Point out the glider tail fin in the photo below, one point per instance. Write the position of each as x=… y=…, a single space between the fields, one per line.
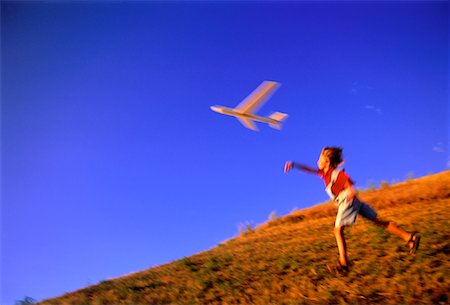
x=279 y=118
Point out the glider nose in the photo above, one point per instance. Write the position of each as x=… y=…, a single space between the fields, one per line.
x=215 y=108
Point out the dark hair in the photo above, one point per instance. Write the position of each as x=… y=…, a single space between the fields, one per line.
x=334 y=154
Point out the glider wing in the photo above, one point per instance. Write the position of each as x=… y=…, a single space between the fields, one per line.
x=255 y=100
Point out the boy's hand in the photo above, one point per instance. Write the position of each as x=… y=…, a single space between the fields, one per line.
x=287 y=166
x=351 y=192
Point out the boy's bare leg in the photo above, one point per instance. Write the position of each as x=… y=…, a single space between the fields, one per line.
x=394 y=229
x=340 y=239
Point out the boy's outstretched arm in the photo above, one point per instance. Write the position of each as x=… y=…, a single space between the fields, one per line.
x=291 y=164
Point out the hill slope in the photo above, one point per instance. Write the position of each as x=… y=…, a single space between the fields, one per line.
x=283 y=261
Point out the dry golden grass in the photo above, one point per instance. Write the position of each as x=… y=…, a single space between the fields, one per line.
x=283 y=261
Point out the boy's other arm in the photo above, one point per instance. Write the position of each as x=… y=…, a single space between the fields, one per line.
x=351 y=193
x=291 y=165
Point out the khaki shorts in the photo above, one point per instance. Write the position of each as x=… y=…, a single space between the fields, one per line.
x=347 y=212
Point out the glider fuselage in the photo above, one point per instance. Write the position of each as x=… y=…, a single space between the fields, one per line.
x=251 y=116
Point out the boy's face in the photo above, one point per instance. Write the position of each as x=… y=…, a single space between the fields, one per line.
x=323 y=162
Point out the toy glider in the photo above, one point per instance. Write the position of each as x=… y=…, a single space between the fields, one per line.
x=245 y=111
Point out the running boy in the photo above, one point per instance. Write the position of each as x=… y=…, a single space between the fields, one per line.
x=340 y=188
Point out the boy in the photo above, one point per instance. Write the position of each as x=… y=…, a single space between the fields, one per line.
x=340 y=188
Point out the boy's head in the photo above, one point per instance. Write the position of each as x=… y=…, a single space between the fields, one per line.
x=331 y=156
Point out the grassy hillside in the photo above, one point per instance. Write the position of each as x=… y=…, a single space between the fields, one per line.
x=283 y=261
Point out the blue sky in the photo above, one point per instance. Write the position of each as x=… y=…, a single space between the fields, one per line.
x=113 y=162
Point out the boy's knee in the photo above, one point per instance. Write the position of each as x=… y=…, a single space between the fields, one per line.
x=380 y=222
